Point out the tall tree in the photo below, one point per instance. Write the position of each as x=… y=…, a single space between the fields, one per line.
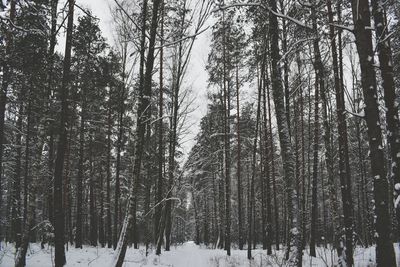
x=363 y=36
x=59 y=257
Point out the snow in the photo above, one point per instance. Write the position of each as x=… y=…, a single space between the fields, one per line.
x=184 y=255
x=397 y=186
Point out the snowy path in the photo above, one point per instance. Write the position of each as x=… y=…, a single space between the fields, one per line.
x=186 y=255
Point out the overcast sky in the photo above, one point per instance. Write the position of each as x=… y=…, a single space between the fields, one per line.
x=196 y=77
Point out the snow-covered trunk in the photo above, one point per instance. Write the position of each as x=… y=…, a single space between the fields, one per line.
x=79 y=179
x=140 y=127
x=344 y=170
x=392 y=117
x=108 y=176
x=142 y=120
x=121 y=112
x=331 y=182
x=20 y=259
x=16 y=223
x=361 y=18
x=50 y=85
x=267 y=176
x=271 y=149
x=250 y=224
x=286 y=68
x=3 y=97
x=239 y=165
x=227 y=152
x=159 y=186
x=286 y=145
x=314 y=183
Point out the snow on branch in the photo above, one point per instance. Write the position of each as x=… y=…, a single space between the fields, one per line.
x=343 y=27
x=280 y=15
x=359 y=115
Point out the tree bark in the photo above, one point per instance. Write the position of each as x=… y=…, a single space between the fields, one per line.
x=286 y=146
x=392 y=117
x=62 y=144
x=361 y=18
x=142 y=120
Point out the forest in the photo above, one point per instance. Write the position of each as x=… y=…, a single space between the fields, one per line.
x=106 y=158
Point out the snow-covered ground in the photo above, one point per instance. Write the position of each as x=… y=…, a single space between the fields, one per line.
x=186 y=255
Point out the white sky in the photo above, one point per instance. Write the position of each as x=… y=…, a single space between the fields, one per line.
x=196 y=76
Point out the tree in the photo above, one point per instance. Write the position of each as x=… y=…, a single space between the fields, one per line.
x=62 y=144
x=363 y=36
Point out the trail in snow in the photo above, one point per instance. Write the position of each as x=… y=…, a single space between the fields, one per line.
x=186 y=255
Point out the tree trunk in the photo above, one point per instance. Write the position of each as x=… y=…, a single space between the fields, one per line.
x=361 y=17
x=142 y=120
x=266 y=175
x=7 y=71
x=80 y=178
x=251 y=200
x=16 y=228
x=158 y=211
x=108 y=178
x=239 y=167
x=273 y=177
x=344 y=170
x=392 y=117
x=62 y=144
x=286 y=146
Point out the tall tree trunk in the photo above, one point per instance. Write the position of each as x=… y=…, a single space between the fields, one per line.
x=16 y=228
x=102 y=239
x=286 y=146
x=319 y=82
x=93 y=233
x=52 y=45
x=62 y=144
x=250 y=222
x=178 y=65
x=157 y=217
x=140 y=129
x=7 y=71
x=239 y=167
x=273 y=177
x=80 y=178
x=361 y=17
x=227 y=157
x=266 y=175
x=392 y=116
x=344 y=167
x=108 y=178
x=314 y=201
x=142 y=120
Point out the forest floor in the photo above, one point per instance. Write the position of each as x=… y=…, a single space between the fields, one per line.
x=186 y=255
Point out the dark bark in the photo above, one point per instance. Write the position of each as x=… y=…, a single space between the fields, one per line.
x=227 y=152
x=251 y=200
x=314 y=201
x=239 y=167
x=80 y=178
x=7 y=72
x=158 y=210
x=53 y=38
x=16 y=226
x=142 y=120
x=361 y=18
x=392 y=116
x=266 y=177
x=108 y=178
x=344 y=170
x=62 y=144
x=286 y=146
